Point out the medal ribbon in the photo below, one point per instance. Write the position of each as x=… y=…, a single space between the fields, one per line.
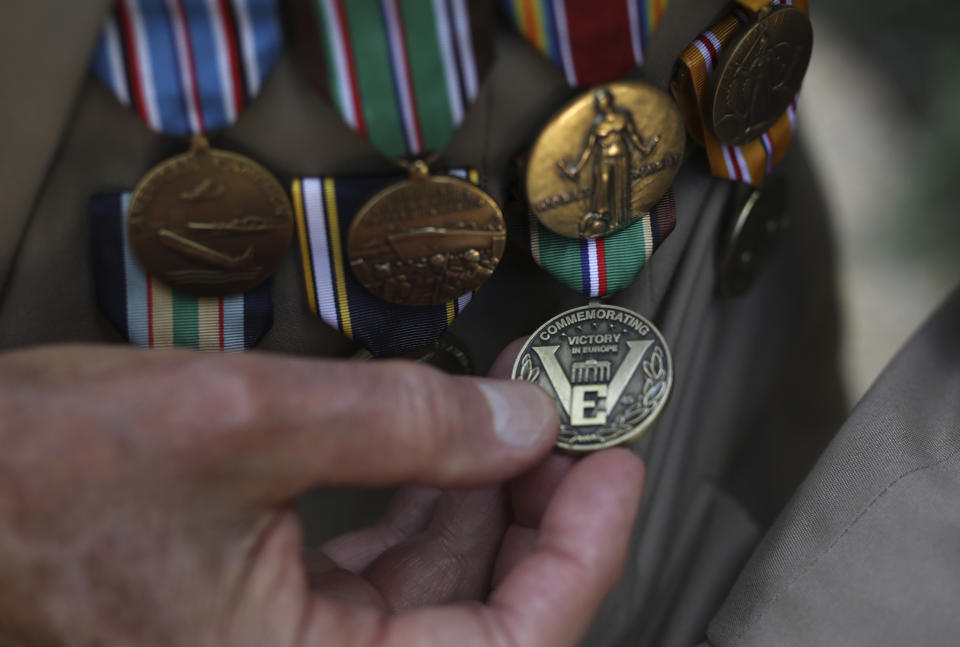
x=150 y=314
x=751 y=162
x=324 y=207
x=592 y=42
x=188 y=67
x=402 y=73
x=597 y=267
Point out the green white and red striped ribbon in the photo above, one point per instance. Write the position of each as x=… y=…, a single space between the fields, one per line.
x=597 y=267
x=402 y=73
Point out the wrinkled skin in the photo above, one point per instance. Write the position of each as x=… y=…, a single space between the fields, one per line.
x=146 y=499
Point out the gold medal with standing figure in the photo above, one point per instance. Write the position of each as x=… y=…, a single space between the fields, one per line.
x=603 y=162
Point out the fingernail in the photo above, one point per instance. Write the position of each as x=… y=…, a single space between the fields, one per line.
x=520 y=415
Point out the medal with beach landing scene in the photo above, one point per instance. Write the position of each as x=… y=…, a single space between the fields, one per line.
x=203 y=232
x=598 y=187
x=391 y=262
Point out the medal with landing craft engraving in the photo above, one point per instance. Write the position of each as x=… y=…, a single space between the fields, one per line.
x=603 y=161
x=210 y=222
x=759 y=75
x=426 y=240
x=608 y=368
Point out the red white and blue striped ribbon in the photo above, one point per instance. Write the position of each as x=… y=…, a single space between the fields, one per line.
x=188 y=66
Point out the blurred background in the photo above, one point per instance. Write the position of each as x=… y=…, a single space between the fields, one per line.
x=881 y=114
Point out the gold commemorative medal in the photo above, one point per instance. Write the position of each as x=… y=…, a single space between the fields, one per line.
x=759 y=74
x=210 y=222
x=609 y=370
x=426 y=240
x=605 y=159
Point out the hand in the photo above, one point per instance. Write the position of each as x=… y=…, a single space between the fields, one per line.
x=146 y=499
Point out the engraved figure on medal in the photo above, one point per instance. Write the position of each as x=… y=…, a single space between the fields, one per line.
x=630 y=135
x=611 y=141
x=609 y=370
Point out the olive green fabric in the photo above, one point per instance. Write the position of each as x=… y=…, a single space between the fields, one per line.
x=866 y=552
x=757 y=391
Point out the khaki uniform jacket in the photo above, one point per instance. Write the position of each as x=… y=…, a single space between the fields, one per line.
x=757 y=392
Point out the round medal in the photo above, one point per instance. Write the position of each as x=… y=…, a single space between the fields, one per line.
x=604 y=160
x=426 y=240
x=609 y=370
x=209 y=222
x=759 y=75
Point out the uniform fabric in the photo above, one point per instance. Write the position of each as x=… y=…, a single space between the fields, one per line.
x=866 y=552
x=757 y=393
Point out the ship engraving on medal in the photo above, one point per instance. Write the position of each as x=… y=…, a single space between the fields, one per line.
x=210 y=223
x=426 y=241
x=605 y=160
x=609 y=370
x=760 y=75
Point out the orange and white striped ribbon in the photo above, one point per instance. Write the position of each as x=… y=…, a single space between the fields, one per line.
x=751 y=162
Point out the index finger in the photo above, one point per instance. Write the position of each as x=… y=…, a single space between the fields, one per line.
x=295 y=424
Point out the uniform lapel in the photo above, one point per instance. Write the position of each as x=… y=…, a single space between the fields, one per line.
x=45 y=47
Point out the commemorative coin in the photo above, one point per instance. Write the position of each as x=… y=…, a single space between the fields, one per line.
x=609 y=370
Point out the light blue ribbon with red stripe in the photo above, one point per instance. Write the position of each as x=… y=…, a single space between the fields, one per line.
x=188 y=67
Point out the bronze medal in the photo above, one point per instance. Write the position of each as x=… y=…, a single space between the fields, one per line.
x=209 y=222
x=603 y=161
x=609 y=370
x=426 y=240
x=759 y=75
